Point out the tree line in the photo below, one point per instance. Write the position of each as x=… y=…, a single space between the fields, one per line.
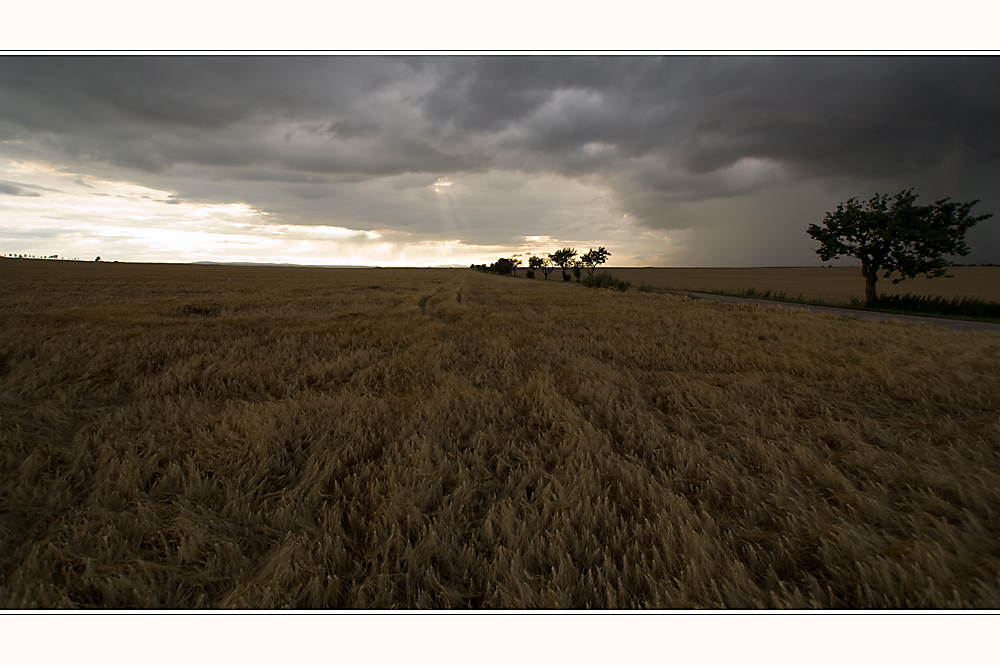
x=566 y=259
x=38 y=256
x=887 y=234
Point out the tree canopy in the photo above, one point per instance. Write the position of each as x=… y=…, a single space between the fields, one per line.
x=502 y=266
x=543 y=263
x=895 y=235
x=594 y=258
x=564 y=259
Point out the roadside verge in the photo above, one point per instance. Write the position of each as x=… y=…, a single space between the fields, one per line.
x=953 y=324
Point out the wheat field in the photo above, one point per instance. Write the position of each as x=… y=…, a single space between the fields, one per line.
x=834 y=285
x=221 y=437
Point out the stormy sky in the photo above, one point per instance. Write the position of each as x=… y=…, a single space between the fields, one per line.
x=435 y=160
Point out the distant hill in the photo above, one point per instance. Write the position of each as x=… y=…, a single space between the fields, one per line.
x=283 y=265
x=302 y=265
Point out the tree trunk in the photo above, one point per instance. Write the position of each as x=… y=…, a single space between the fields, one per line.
x=871 y=276
x=870 y=297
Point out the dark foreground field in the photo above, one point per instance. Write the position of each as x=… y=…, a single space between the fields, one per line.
x=443 y=438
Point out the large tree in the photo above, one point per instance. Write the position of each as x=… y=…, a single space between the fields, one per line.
x=594 y=258
x=894 y=235
x=564 y=259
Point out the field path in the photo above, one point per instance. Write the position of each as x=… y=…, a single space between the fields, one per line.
x=953 y=324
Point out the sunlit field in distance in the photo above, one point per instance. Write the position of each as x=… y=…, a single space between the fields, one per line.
x=223 y=437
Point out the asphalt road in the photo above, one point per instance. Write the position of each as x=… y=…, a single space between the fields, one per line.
x=952 y=324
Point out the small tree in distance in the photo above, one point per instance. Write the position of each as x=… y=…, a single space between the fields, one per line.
x=564 y=259
x=594 y=258
x=534 y=263
x=543 y=263
x=503 y=267
x=899 y=237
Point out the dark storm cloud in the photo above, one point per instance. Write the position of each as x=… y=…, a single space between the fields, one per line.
x=151 y=113
x=691 y=117
x=825 y=115
x=657 y=132
x=351 y=129
x=66 y=93
x=867 y=117
x=278 y=176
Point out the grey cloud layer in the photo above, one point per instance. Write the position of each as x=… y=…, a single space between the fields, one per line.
x=17 y=189
x=655 y=131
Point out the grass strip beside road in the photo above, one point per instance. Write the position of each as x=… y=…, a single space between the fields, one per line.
x=752 y=294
